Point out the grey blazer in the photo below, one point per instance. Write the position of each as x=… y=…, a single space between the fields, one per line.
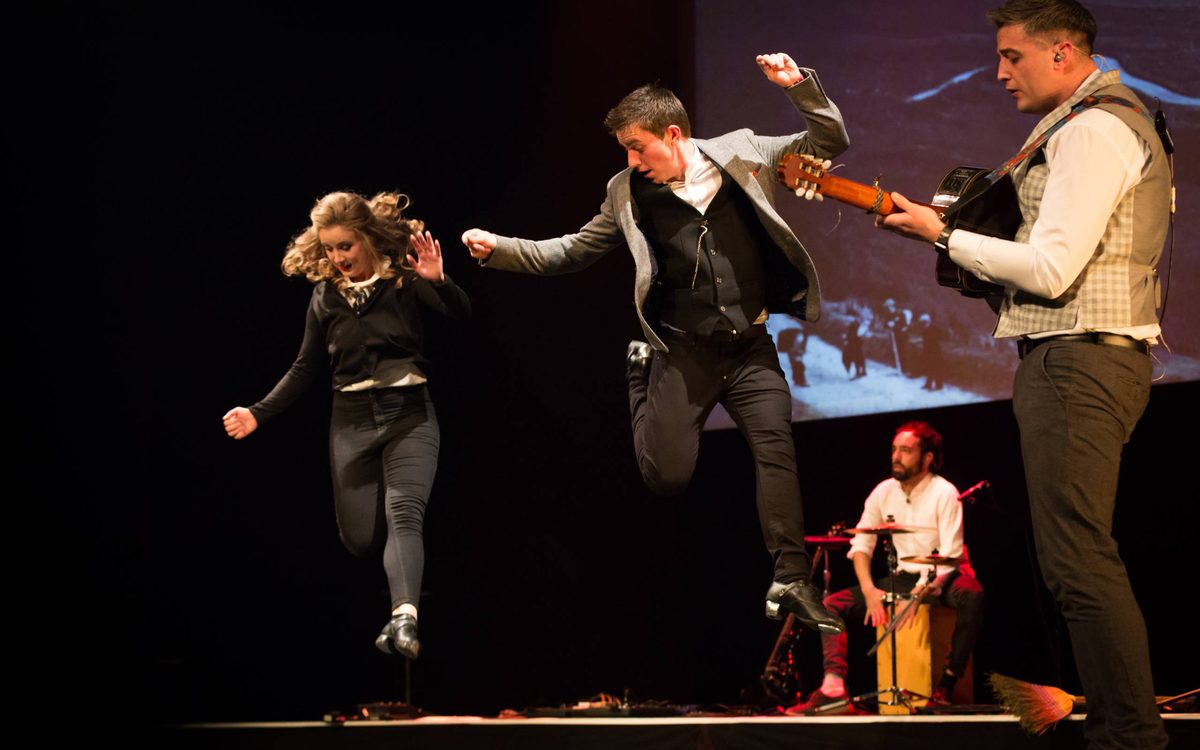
x=749 y=159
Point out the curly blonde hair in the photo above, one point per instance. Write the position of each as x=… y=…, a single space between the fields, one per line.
x=379 y=223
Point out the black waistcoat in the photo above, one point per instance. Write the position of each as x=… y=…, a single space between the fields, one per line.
x=709 y=266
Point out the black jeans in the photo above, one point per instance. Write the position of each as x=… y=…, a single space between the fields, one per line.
x=1077 y=403
x=961 y=592
x=670 y=405
x=383 y=449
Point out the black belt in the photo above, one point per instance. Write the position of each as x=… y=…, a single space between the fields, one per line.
x=752 y=332
x=1026 y=345
x=725 y=336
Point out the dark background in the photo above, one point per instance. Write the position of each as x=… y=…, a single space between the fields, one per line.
x=177 y=575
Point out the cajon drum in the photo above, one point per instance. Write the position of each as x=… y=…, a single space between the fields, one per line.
x=921 y=651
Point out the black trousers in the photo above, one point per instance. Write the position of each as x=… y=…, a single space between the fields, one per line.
x=383 y=450
x=670 y=404
x=960 y=592
x=1076 y=404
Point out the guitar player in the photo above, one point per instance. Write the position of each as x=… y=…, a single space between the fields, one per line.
x=1080 y=292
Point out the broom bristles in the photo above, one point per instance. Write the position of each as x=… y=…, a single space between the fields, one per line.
x=1037 y=707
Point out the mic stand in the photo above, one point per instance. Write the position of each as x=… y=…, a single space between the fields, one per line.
x=390 y=710
x=899 y=696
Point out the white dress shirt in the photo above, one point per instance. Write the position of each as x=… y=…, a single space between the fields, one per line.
x=933 y=503
x=1094 y=160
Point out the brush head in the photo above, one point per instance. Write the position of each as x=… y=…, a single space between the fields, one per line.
x=1037 y=707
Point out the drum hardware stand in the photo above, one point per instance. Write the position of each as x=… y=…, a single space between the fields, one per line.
x=393 y=710
x=779 y=673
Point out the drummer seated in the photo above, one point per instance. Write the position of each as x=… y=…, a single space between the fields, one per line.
x=919 y=511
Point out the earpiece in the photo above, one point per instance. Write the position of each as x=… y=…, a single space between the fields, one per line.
x=1058 y=56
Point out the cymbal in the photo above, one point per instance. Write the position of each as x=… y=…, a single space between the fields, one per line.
x=932 y=560
x=827 y=539
x=890 y=528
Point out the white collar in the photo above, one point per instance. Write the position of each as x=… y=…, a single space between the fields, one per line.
x=364 y=282
x=696 y=164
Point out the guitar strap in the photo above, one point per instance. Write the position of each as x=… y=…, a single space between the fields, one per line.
x=985 y=183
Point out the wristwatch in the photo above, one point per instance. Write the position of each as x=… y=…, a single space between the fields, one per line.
x=942 y=243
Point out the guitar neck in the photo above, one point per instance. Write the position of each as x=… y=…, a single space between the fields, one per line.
x=808 y=176
x=991 y=212
x=859 y=195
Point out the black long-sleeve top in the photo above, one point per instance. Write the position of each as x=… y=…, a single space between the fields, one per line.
x=385 y=330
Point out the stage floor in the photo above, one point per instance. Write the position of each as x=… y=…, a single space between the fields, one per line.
x=1001 y=732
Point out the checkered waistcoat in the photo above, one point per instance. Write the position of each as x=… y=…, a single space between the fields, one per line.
x=1119 y=285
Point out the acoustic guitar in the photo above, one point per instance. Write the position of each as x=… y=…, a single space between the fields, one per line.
x=963 y=200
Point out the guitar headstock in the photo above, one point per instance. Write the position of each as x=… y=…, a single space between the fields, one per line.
x=805 y=175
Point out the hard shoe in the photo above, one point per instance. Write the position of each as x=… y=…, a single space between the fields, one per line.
x=804 y=601
x=637 y=356
x=399 y=636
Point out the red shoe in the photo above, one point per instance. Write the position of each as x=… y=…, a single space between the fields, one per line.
x=818 y=699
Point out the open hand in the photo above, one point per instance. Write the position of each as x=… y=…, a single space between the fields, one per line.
x=426 y=258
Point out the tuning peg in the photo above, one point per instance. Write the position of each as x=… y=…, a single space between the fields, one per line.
x=809 y=195
x=827 y=164
x=820 y=197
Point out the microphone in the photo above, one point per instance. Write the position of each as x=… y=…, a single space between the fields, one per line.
x=1160 y=125
x=969 y=493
